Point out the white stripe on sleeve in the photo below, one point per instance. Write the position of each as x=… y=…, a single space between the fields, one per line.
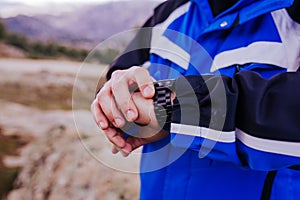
x=272 y=146
x=207 y=133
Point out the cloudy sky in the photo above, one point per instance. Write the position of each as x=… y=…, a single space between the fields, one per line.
x=9 y=8
x=41 y=2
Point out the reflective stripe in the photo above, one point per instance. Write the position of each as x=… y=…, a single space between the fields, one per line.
x=174 y=15
x=255 y=52
x=207 y=133
x=289 y=32
x=271 y=146
x=284 y=54
x=170 y=51
x=165 y=48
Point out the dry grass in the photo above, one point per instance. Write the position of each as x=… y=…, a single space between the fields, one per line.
x=47 y=98
x=47 y=84
x=8 y=147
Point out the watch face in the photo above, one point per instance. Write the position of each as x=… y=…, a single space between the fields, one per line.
x=170 y=83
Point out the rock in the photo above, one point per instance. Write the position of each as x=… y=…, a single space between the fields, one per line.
x=62 y=170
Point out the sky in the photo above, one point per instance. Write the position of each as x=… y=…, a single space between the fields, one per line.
x=40 y=2
x=11 y=8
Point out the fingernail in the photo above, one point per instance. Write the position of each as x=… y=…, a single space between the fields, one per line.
x=126 y=151
x=101 y=124
x=115 y=150
x=148 y=91
x=130 y=115
x=118 y=122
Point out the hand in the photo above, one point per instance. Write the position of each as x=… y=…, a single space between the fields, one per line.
x=149 y=132
x=114 y=101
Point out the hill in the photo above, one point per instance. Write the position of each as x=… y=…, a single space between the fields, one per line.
x=84 y=25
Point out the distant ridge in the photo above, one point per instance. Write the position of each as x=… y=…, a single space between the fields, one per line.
x=89 y=24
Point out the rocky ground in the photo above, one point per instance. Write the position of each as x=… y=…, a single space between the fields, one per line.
x=59 y=157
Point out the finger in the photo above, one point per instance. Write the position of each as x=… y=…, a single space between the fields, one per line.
x=122 y=96
x=127 y=149
x=115 y=137
x=115 y=149
x=109 y=108
x=145 y=108
x=98 y=115
x=133 y=143
x=143 y=80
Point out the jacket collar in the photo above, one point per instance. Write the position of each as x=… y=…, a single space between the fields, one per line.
x=218 y=6
x=242 y=11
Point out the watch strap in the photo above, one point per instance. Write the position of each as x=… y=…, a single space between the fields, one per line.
x=163 y=102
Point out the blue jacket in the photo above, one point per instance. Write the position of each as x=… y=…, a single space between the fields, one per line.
x=232 y=135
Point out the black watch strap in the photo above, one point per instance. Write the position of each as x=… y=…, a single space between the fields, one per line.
x=162 y=102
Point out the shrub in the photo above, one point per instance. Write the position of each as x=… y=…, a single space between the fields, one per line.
x=2 y=31
x=17 y=41
x=39 y=49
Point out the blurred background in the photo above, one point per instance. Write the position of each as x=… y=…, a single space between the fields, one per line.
x=43 y=43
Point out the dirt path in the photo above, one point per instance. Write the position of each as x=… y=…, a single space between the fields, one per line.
x=54 y=66
x=47 y=84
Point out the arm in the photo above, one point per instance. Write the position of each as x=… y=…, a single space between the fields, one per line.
x=258 y=120
x=136 y=54
x=261 y=127
x=231 y=147
x=111 y=97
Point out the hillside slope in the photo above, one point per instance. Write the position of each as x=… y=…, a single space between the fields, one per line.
x=85 y=24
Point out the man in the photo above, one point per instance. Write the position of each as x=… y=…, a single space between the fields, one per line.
x=235 y=136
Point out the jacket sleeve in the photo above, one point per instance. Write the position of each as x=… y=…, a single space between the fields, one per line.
x=247 y=120
x=137 y=52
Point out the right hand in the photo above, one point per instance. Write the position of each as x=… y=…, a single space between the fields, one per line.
x=113 y=104
x=150 y=131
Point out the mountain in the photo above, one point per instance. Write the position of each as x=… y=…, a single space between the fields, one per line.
x=88 y=24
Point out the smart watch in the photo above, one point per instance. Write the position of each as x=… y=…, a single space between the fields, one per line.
x=162 y=102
